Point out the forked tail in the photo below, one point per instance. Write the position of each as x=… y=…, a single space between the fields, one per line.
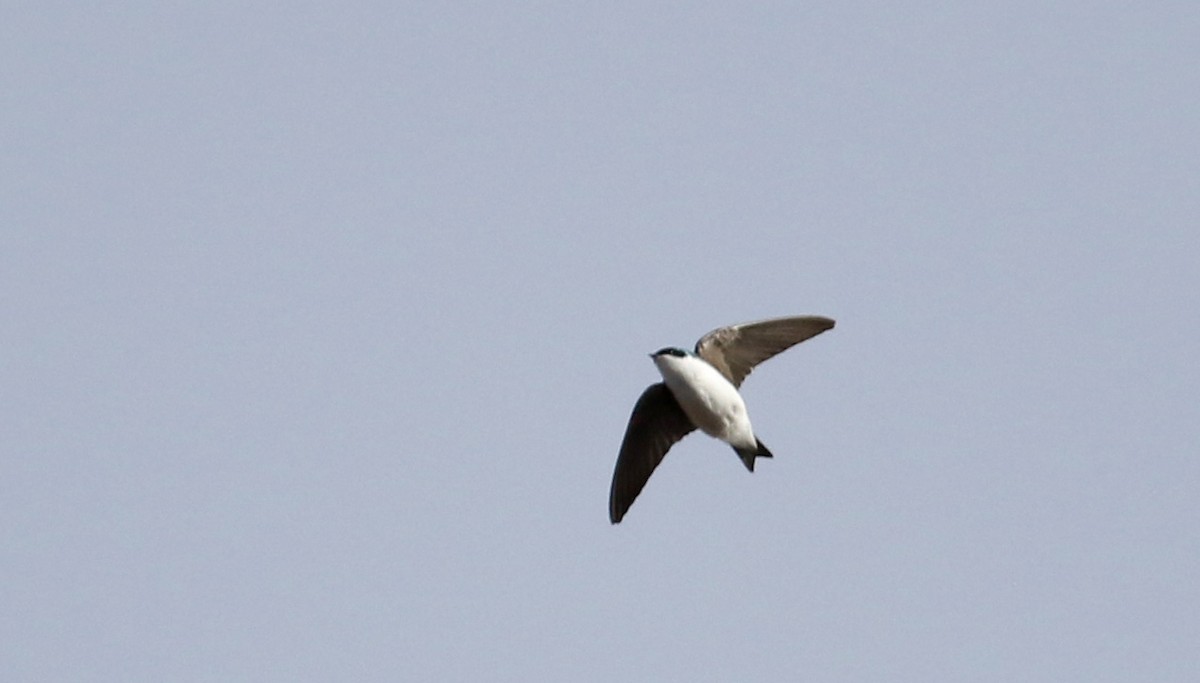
x=749 y=454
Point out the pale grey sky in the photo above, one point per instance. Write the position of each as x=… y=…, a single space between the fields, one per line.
x=320 y=326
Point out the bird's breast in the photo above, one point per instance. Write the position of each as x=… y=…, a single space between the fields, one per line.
x=708 y=399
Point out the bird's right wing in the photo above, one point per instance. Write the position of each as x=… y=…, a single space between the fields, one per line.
x=656 y=424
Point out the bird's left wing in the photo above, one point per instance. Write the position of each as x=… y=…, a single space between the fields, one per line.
x=736 y=349
x=656 y=424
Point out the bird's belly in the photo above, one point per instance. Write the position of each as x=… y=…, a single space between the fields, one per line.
x=713 y=411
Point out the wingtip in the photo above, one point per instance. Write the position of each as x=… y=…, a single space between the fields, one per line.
x=615 y=513
x=824 y=322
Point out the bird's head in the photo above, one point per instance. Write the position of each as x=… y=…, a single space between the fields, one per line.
x=669 y=351
x=668 y=355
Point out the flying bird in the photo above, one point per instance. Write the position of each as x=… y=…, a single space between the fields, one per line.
x=700 y=390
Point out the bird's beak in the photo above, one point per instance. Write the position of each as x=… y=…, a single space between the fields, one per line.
x=650 y=354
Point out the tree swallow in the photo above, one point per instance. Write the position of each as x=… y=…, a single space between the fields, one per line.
x=700 y=389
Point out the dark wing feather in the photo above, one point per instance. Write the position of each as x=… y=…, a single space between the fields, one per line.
x=736 y=349
x=656 y=424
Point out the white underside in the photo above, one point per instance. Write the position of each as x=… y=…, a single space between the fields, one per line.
x=708 y=399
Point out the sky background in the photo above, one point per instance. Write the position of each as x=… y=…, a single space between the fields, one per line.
x=320 y=325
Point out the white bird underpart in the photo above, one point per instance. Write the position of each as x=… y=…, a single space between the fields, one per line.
x=707 y=398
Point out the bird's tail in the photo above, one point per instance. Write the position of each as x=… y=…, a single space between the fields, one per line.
x=749 y=454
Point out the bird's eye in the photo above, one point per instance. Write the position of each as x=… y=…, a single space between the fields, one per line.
x=678 y=353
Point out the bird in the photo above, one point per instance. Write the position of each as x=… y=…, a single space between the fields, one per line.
x=700 y=390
